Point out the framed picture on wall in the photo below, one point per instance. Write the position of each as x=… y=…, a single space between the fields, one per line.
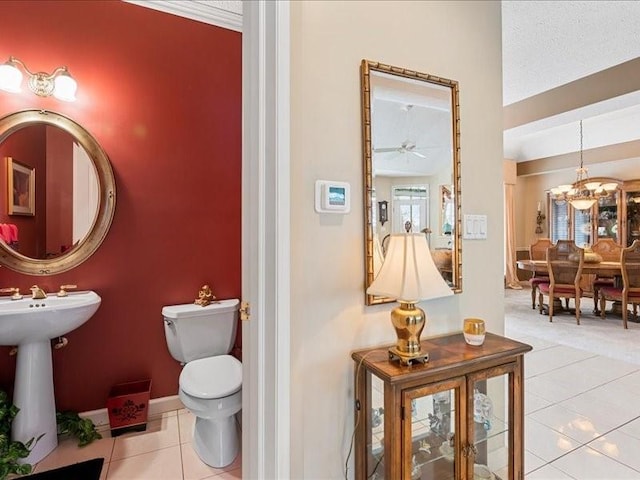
x=21 y=187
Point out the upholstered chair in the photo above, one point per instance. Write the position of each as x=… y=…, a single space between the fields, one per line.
x=538 y=251
x=629 y=292
x=609 y=251
x=564 y=263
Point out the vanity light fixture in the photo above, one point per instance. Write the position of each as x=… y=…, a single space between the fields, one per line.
x=409 y=275
x=58 y=83
x=583 y=193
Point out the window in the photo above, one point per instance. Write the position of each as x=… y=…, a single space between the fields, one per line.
x=582 y=227
x=559 y=221
x=410 y=204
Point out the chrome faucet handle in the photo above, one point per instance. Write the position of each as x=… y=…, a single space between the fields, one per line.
x=63 y=290
x=15 y=291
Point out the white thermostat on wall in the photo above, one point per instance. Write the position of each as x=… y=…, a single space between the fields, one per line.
x=333 y=197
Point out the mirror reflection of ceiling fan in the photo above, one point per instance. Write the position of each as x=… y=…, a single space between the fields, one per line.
x=406 y=147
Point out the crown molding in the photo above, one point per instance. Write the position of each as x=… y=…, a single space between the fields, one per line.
x=222 y=14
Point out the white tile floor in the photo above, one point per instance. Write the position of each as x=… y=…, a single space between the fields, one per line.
x=582 y=413
x=163 y=452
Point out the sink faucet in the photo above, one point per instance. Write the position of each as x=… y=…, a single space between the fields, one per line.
x=12 y=290
x=37 y=292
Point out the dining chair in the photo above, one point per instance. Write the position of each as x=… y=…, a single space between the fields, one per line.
x=629 y=292
x=565 y=261
x=609 y=250
x=538 y=251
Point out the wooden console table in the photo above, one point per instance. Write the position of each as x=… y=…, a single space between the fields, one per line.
x=459 y=412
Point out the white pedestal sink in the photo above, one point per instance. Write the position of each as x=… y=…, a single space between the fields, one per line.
x=31 y=324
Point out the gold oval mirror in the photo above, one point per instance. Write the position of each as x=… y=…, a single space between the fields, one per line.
x=59 y=193
x=411 y=155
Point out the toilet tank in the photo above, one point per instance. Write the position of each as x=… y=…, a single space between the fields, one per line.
x=193 y=331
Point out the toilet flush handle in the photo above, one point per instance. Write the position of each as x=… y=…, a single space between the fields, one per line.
x=168 y=322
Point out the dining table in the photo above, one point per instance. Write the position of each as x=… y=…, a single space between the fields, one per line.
x=603 y=269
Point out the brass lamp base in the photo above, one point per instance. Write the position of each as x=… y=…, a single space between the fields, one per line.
x=409 y=321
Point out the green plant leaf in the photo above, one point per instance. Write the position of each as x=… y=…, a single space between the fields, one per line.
x=82 y=429
x=12 y=451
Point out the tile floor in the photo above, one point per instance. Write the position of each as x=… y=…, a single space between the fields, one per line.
x=582 y=413
x=163 y=452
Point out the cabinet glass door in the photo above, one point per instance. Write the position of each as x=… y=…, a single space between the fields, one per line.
x=607 y=222
x=633 y=217
x=375 y=432
x=432 y=433
x=489 y=417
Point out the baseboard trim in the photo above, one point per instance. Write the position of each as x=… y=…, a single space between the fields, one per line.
x=157 y=406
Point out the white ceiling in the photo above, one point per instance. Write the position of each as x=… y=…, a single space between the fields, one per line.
x=550 y=43
x=411 y=126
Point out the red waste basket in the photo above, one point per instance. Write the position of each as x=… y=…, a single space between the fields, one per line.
x=128 y=407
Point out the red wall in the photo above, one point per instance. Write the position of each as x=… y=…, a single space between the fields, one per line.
x=162 y=95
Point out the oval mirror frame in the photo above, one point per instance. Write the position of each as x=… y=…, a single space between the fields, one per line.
x=107 y=196
x=366 y=68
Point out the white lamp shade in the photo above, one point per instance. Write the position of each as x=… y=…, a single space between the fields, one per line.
x=10 y=77
x=582 y=203
x=65 y=87
x=408 y=273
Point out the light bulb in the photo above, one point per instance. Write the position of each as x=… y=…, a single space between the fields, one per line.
x=65 y=87
x=10 y=77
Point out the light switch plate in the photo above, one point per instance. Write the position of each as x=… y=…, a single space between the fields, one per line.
x=474 y=227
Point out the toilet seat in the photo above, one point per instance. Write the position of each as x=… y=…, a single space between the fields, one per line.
x=212 y=377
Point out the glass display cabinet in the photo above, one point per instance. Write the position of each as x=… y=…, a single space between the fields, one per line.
x=616 y=216
x=632 y=211
x=458 y=416
x=599 y=222
x=587 y=227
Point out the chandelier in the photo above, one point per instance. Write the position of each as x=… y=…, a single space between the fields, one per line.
x=583 y=193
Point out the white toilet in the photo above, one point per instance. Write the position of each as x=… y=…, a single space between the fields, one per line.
x=211 y=380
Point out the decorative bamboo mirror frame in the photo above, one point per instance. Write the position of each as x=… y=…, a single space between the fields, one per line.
x=399 y=83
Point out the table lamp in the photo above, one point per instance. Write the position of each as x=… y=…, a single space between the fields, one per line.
x=409 y=275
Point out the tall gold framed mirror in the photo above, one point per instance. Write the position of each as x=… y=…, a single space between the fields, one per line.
x=411 y=156
x=74 y=193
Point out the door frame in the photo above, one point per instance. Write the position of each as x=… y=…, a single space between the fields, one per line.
x=266 y=240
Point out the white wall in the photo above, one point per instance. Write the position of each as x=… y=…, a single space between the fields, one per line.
x=456 y=40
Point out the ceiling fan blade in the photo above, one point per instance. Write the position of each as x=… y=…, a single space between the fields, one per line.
x=383 y=150
x=418 y=154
